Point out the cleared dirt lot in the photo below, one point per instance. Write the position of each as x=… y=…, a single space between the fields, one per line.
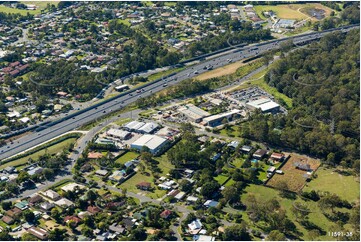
x=292 y=176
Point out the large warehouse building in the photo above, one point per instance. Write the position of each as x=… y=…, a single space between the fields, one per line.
x=265 y=104
x=193 y=113
x=217 y=119
x=153 y=142
x=141 y=127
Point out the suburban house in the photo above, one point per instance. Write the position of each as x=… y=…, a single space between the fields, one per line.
x=38 y=233
x=144 y=186
x=303 y=167
x=52 y=195
x=165 y=214
x=259 y=154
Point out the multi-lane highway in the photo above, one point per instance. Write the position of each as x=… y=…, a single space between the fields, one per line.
x=73 y=122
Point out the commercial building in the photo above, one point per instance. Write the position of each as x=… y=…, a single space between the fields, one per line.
x=121 y=88
x=153 y=142
x=141 y=127
x=119 y=134
x=265 y=104
x=193 y=113
x=148 y=128
x=134 y=125
x=217 y=119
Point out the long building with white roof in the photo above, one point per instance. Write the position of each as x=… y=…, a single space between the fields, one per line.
x=153 y=142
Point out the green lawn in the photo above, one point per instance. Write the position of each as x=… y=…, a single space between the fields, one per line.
x=40 y=5
x=131 y=183
x=282 y=11
x=158 y=75
x=127 y=157
x=232 y=131
x=164 y=164
x=238 y=162
x=50 y=150
x=124 y=21
x=221 y=179
x=264 y=193
x=347 y=187
x=244 y=70
x=230 y=182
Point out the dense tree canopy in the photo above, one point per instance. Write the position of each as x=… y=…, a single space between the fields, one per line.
x=323 y=82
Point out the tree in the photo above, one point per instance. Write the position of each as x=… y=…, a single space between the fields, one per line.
x=138 y=234
x=185 y=186
x=236 y=232
x=5 y=236
x=146 y=157
x=55 y=214
x=231 y=194
x=276 y=235
x=29 y=216
x=57 y=234
x=6 y=205
x=48 y=173
x=86 y=231
x=91 y=195
x=187 y=128
x=209 y=189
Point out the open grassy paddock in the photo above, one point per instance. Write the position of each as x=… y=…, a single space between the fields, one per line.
x=347 y=187
x=263 y=193
x=292 y=176
x=131 y=183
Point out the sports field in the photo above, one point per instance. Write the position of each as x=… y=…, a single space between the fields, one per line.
x=292 y=11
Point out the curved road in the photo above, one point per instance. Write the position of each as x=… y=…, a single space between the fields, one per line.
x=78 y=120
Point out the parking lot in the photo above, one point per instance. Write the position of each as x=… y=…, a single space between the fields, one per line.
x=250 y=94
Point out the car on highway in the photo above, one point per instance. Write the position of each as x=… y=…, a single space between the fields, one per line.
x=165 y=84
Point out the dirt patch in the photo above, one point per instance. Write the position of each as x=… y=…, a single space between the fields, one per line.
x=293 y=176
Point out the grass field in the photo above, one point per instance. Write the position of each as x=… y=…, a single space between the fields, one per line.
x=292 y=11
x=131 y=183
x=50 y=150
x=263 y=193
x=232 y=131
x=124 y=21
x=221 y=179
x=347 y=187
x=127 y=157
x=164 y=164
x=40 y=5
x=238 y=162
x=292 y=176
x=282 y=11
